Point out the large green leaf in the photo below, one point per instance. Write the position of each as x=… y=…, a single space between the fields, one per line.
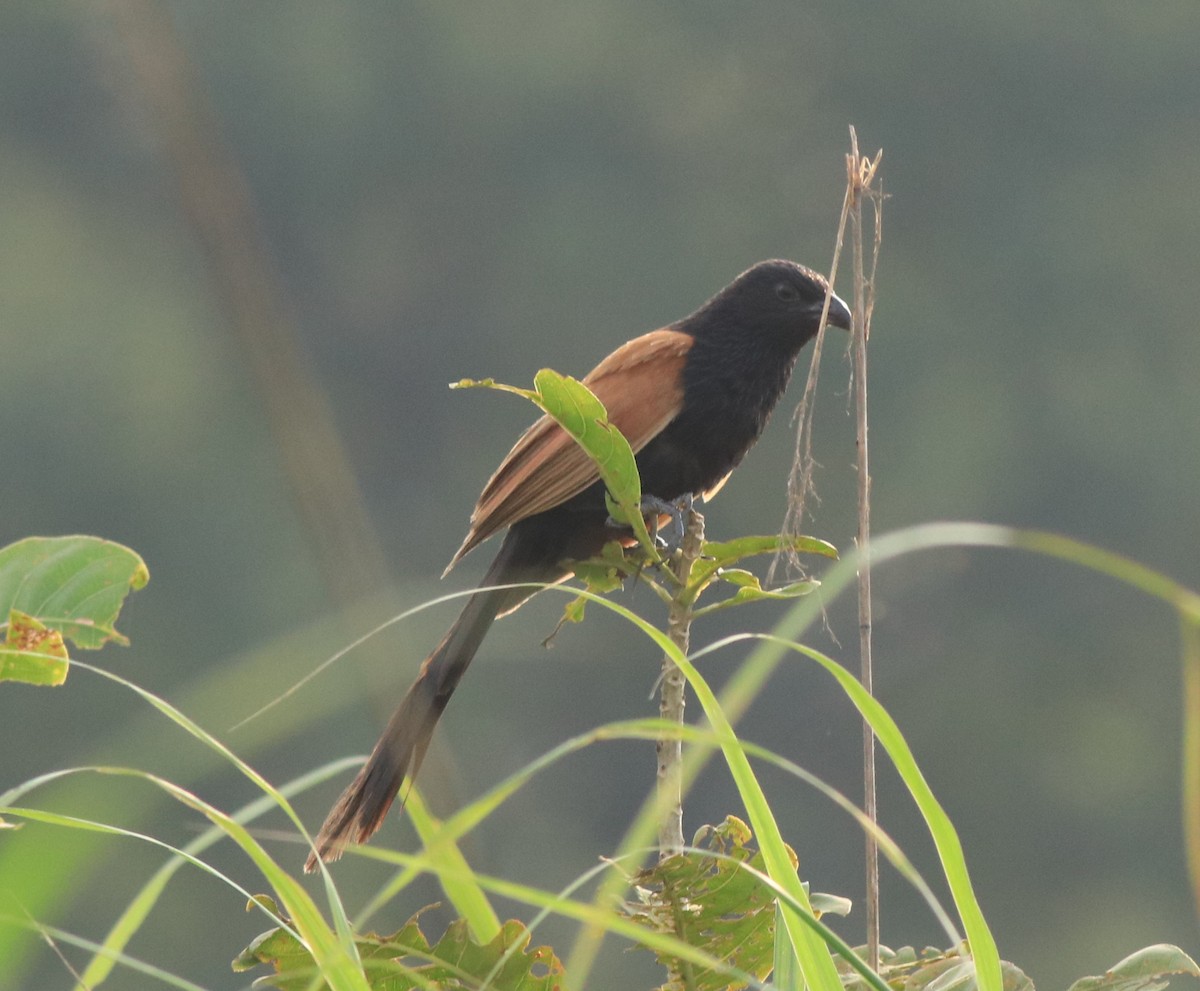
x=573 y=406
x=584 y=417
x=53 y=588
x=707 y=899
x=1145 y=970
x=75 y=585
x=407 y=960
x=946 y=970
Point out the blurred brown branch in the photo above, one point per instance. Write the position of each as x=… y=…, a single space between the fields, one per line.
x=155 y=76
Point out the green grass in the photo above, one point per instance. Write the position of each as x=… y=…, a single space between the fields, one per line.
x=324 y=925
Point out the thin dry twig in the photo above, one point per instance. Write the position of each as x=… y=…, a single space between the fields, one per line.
x=800 y=485
x=861 y=173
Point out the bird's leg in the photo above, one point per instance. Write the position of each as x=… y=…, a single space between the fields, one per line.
x=677 y=510
x=652 y=508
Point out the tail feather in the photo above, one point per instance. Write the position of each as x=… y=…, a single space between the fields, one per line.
x=361 y=809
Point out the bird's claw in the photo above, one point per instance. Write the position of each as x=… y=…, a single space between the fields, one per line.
x=676 y=510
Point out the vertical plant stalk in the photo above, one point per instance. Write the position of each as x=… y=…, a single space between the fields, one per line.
x=1190 y=650
x=672 y=685
x=152 y=75
x=860 y=174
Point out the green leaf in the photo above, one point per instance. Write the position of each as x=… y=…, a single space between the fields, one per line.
x=945 y=837
x=601 y=575
x=584 y=417
x=75 y=585
x=826 y=904
x=786 y=973
x=573 y=406
x=32 y=652
x=1144 y=970
x=791 y=591
x=720 y=556
x=727 y=552
x=740 y=577
x=458 y=881
x=405 y=960
x=913 y=971
x=750 y=590
x=109 y=953
x=574 y=611
x=710 y=902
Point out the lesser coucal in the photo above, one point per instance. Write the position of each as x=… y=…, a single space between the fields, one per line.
x=691 y=398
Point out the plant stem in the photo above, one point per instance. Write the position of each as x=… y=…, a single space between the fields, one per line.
x=860 y=175
x=671 y=691
x=1190 y=631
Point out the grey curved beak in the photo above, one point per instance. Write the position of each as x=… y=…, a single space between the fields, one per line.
x=839 y=312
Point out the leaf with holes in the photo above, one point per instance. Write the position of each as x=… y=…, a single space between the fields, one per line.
x=32 y=652
x=708 y=900
x=405 y=960
x=945 y=970
x=1146 y=970
x=55 y=589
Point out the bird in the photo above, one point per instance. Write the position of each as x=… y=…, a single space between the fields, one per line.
x=691 y=398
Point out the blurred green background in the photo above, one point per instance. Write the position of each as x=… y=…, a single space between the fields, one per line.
x=460 y=189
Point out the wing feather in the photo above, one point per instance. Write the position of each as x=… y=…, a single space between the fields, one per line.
x=641 y=387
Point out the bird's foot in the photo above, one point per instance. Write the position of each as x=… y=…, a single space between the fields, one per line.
x=653 y=509
x=676 y=511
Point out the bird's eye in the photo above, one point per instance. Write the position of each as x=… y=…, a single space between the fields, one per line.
x=787 y=293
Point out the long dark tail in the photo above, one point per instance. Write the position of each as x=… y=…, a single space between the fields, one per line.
x=361 y=809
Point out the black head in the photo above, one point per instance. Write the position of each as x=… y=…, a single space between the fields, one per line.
x=776 y=296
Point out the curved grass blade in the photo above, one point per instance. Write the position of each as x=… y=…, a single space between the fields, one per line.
x=979 y=937
x=814 y=957
x=180 y=855
x=338 y=962
x=132 y=963
x=571 y=909
x=140 y=907
x=453 y=873
x=337 y=949
x=471 y=815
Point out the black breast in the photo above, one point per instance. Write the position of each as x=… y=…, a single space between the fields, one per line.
x=729 y=394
